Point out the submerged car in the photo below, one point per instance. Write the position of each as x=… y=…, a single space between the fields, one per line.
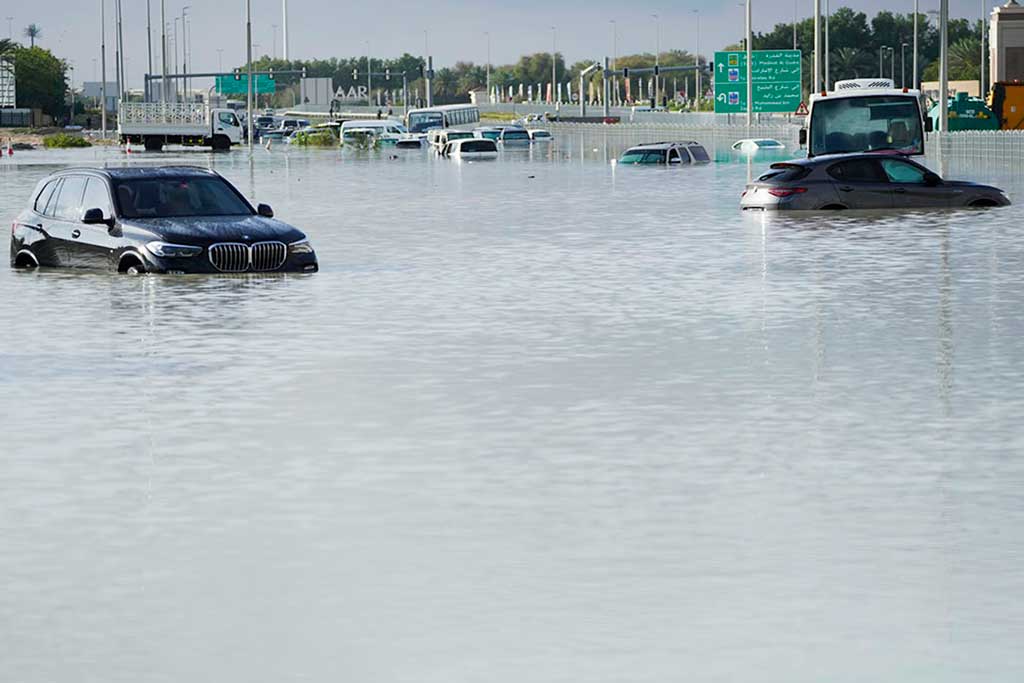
x=470 y=148
x=539 y=135
x=513 y=135
x=153 y=220
x=758 y=145
x=668 y=153
x=862 y=181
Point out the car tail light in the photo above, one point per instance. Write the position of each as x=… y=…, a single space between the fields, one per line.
x=786 y=191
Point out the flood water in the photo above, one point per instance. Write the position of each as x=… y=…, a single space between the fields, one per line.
x=540 y=419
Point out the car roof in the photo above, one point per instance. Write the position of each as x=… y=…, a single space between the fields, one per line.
x=135 y=172
x=667 y=145
x=831 y=158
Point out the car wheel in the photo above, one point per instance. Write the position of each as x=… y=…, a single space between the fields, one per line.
x=135 y=269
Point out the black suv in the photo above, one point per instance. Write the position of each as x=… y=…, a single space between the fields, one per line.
x=153 y=220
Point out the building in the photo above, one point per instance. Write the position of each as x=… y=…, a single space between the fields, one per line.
x=8 y=95
x=93 y=91
x=1006 y=40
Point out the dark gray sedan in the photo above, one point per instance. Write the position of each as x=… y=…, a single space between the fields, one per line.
x=862 y=181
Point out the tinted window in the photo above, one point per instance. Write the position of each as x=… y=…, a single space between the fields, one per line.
x=785 y=174
x=478 y=146
x=635 y=156
x=228 y=118
x=902 y=172
x=858 y=171
x=699 y=153
x=177 y=197
x=44 y=196
x=515 y=135
x=69 y=203
x=97 y=197
x=51 y=203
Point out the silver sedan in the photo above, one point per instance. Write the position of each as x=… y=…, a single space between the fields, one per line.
x=862 y=181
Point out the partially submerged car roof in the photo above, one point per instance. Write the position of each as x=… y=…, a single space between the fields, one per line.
x=142 y=171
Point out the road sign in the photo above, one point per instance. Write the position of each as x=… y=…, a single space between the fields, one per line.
x=802 y=110
x=776 y=75
x=263 y=85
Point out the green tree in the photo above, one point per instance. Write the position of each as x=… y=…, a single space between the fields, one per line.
x=33 y=31
x=40 y=79
x=850 y=62
x=7 y=47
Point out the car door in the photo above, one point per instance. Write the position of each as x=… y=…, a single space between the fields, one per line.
x=64 y=224
x=44 y=245
x=97 y=242
x=862 y=184
x=910 y=189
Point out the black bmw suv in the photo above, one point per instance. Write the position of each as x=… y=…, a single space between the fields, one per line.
x=153 y=220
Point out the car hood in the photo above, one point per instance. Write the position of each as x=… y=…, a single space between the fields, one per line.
x=211 y=229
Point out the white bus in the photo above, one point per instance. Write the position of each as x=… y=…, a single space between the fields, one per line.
x=447 y=116
x=865 y=115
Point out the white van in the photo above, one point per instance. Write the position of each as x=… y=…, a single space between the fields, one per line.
x=439 y=137
x=471 y=148
x=386 y=130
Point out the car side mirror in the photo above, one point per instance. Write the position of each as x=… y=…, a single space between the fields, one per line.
x=265 y=210
x=929 y=125
x=96 y=217
x=932 y=180
x=803 y=137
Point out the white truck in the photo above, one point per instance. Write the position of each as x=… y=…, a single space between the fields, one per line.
x=155 y=124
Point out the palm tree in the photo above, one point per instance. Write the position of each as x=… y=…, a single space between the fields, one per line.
x=849 y=62
x=7 y=46
x=965 y=59
x=33 y=31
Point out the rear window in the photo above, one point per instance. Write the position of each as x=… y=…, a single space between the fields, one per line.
x=516 y=135
x=786 y=173
x=478 y=146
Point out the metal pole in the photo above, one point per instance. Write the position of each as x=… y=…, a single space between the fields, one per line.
x=984 y=54
x=429 y=83
x=554 y=35
x=149 y=46
x=120 y=40
x=117 y=51
x=916 y=12
x=903 y=65
x=369 y=77
x=184 y=55
x=750 y=64
x=615 y=56
x=176 y=58
x=817 y=46
x=248 y=61
x=405 y=93
x=657 y=57
x=828 y=60
x=892 y=64
x=163 y=52
x=944 y=66
x=103 y=68
x=696 y=60
x=607 y=104
x=881 y=62
x=284 y=27
x=489 y=98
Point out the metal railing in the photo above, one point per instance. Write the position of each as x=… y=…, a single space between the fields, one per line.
x=142 y=113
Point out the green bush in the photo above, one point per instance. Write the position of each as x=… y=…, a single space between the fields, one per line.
x=65 y=141
x=363 y=140
x=320 y=138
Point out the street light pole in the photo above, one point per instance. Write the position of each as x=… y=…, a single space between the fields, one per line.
x=944 y=66
x=184 y=53
x=149 y=46
x=657 y=58
x=828 y=61
x=892 y=64
x=817 y=46
x=881 y=61
x=750 y=64
x=984 y=53
x=916 y=12
x=615 y=56
x=696 y=60
x=795 y=11
x=489 y=98
x=554 y=34
x=903 y=65
x=248 y=62
x=163 y=51
x=284 y=27
x=369 y=77
x=103 y=68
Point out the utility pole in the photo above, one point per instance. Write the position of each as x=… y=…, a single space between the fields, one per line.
x=176 y=19
x=489 y=97
x=615 y=57
x=750 y=64
x=149 y=46
x=657 y=57
x=184 y=54
x=881 y=61
x=369 y=77
x=903 y=65
x=103 y=67
x=944 y=66
x=795 y=11
x=117 y=49
x=828 y=60
x=163 y=51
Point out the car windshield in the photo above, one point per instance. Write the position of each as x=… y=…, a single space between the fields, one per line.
x=643 y=157
x=424 y=121
x=516 y=135
x=178 y=197
x=866 y=124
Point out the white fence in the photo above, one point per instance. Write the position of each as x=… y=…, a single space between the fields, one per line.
x=159 y=113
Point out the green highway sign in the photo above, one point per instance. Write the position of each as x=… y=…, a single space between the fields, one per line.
x=777 y=81
x=263 y=85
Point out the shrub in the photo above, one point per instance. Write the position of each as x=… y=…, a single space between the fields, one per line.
x=363 y=140
x=65 y=141
x=320 y=138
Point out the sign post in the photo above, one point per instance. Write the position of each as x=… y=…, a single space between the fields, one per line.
x=775 y=81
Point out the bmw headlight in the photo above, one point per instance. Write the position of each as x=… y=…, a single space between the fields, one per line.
x=165 y=250
x=301 y=247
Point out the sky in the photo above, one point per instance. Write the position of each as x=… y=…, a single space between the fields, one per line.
x=451 y=30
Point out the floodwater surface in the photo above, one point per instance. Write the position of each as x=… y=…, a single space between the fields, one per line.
x=538 y=419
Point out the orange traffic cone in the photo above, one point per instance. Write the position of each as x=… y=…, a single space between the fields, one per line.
x=10 y=148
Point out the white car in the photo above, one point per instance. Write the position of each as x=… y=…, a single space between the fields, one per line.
x=753 y=145
x=386 y=130
x=471 y=148
x=541 y=136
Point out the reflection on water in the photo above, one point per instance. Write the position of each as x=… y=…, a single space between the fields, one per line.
x=544 y=418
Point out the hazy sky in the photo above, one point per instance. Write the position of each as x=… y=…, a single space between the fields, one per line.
x=326 y=28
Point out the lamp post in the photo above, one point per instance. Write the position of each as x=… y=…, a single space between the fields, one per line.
x=103 y=68
x=903 y=65
x=615 y=56
x=369 y=77
x=696 y=60
x=284 y=27
x=163 y=51
x=817 y=46
x=881 y=61
x=489 y=98
x=657 y=58
x=750 y=64
x=554 y=34
x=984 y=53
x=248 y=69
x=828 y=61
x=944 y=66
x=892 y=64
x=184 y=52
x=795 y=10
x=175 y=40
x=149 y=47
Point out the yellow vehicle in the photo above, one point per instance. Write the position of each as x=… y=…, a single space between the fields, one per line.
x=1007 y=103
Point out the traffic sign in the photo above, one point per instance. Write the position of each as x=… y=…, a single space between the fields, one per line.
x=802 y=110
x=239 y=84
x=776 y=81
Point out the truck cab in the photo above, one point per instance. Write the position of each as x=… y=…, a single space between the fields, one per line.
x=226 y=123
x=865 y=115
